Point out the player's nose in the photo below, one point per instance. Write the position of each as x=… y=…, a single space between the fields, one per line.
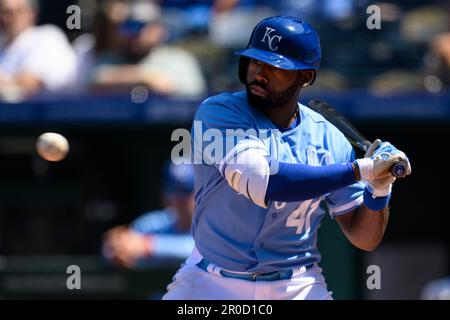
x=260 y=76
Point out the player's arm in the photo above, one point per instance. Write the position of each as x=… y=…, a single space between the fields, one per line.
x=260 y=179
x=364 y=227
x=157 y=240
x=250 y=175
x=247 y=167
x=293 y=181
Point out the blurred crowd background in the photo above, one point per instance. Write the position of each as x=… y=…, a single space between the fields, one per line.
x=107 y=57
x=188 y=45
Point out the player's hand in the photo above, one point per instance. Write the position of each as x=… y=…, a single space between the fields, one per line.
x=378 y=161
x=385 y=150
x=378 y=187
x=125 y=247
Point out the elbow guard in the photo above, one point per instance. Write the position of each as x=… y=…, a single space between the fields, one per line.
x=248 y=174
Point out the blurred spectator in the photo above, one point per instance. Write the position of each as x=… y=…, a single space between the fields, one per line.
x=157 y=234
x=186 y=18
x=138 y=53
x=233 y=20
x=195 y=18
x=312 y=9
x=329 y=80
x=32 y=58
x=103 y=45
x=437 y=61
x=426 y=27
x=421 y=23
x=396 y=81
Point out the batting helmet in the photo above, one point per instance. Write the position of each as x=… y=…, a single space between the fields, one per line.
x=178 y=178
x=284 y=42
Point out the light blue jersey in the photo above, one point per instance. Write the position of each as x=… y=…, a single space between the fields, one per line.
x=233 y=232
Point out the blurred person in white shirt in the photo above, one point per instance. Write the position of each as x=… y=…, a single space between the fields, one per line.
x=32 y=58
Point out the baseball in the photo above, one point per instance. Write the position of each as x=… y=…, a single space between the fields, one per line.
x=52 y=146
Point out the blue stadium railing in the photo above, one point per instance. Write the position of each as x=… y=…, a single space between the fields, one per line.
x=119 y=109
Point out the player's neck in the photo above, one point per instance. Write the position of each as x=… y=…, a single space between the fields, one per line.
x=283 y=116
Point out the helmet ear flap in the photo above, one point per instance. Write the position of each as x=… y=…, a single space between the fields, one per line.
x=243 y=65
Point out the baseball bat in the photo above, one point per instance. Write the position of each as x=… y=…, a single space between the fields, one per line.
x=398 y=168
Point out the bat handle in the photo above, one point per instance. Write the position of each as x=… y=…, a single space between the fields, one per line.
x=398 y=169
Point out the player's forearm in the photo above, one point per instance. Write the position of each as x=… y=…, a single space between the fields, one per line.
x=367 y=227
x=298 y=182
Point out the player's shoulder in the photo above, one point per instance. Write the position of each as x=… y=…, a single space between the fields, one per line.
x=336 y=139
x=227 y=103
x=226 y=99
x=320 y=120
x=313 y=115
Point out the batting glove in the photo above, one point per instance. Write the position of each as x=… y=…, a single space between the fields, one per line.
x=379 y=187
x=374 y=168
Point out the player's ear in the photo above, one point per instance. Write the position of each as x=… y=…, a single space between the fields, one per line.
x=307 y=77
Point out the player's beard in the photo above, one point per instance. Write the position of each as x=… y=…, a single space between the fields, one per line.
x=272 y=100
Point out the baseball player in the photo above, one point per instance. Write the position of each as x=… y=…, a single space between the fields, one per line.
x=158 y=234
x=257 y=199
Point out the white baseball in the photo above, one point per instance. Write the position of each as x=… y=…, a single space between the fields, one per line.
x=52 y=146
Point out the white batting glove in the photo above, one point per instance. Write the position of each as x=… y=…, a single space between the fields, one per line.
x=375 y=167
x=378 y=187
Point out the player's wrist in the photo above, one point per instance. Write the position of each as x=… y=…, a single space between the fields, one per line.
x=356 y=171
x=149 y=245
x=365 y=168
x=377 y=192
x=375 y=203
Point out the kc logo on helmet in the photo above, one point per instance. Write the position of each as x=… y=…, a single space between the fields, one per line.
x=270 y=39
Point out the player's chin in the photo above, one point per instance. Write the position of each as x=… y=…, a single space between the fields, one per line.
x=260 y=102
x=256 y=100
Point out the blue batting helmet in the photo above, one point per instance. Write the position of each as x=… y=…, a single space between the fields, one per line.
x=284 y=42
x=178 y=178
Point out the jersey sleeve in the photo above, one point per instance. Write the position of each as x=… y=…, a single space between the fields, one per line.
x=221 y=131
x=172 y=245
x=166 y=241
x=346 y=199
x=152 y=222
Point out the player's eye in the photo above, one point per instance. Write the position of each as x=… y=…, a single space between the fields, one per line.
x=256 y=62
x=274 y=69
